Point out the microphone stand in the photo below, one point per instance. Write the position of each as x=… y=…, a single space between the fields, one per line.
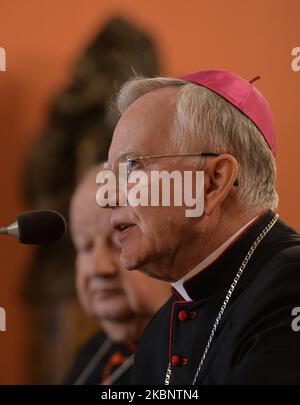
x=12 y=229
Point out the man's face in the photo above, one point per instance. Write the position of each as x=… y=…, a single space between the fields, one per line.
x=106 y=290
x=154 y=237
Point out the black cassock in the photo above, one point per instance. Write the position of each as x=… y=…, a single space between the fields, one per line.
x=96 y=361
x=255 y=342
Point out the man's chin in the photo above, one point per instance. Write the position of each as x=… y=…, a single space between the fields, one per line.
x=129 y=262
x=147 y=267
x=118 y=312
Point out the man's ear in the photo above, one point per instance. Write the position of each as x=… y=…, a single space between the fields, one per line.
x=220 y=175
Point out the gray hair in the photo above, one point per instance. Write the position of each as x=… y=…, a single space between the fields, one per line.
x=214 y=125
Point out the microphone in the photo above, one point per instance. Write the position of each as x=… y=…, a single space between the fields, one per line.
x=37 y=227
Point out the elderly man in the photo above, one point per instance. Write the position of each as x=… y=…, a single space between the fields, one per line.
x=234 y=269
x=121 y=302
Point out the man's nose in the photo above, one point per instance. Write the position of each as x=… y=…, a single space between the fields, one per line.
x=104 y=262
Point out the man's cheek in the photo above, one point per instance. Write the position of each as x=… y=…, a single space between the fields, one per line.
x=83 y=284
x=134 y=251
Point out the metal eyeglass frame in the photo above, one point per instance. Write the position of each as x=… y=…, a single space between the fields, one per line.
x=205 y=154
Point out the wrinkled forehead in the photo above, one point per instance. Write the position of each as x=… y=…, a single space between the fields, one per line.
x=145 y=127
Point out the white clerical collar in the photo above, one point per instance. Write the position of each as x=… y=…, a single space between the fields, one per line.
x=179 y=285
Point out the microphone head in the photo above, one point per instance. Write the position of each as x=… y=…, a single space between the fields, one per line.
x=40 y=226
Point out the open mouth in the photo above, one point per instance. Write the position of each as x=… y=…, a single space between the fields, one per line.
x=122 y=230
x=123 y=227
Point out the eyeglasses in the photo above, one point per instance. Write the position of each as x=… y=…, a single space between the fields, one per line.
x=135 y=162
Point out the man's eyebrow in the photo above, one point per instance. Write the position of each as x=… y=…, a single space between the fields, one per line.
x=129 y=153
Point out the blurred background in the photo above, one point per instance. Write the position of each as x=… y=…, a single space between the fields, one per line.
x=65 y=60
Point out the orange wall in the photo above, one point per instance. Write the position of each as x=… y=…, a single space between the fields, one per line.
x=42 y=38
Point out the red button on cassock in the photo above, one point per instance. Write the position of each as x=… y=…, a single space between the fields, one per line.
x=175 y=360
x=183 y=315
